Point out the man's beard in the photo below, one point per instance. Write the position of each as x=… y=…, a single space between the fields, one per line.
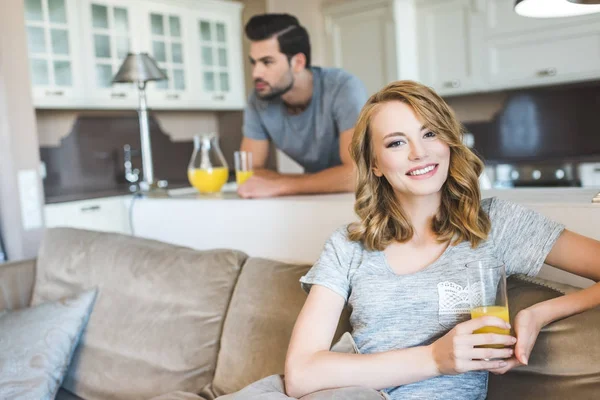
x=276 y=91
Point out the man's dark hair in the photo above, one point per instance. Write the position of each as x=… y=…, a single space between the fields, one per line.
x=291 y=36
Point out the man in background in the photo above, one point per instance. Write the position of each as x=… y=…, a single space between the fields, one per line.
x=307 y=112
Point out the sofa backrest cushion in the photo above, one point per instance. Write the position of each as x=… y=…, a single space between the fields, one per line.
x=265 y=304
x=564 y=361
x=158 y=316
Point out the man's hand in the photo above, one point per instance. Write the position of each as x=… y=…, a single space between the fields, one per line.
x=527 y=328
x=264 y=183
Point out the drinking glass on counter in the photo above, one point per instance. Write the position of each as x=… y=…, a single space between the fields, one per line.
x=207 y=171
x=243 y=166
x=487 y=293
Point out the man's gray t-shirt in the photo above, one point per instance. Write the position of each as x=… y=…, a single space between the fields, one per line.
x=391 y=311
x=311 y=138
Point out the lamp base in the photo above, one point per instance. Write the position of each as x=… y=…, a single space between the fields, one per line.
x=153 y=189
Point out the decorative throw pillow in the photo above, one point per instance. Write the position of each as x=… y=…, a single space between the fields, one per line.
x=37 y=343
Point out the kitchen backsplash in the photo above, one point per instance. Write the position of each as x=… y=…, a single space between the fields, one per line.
x=550 y=124
x=85 y=149
x=54 y=125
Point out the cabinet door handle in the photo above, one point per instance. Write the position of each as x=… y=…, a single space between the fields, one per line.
x=172 y=96
x=118 y=95
x=90 y=209
x=546 y=72
x=219 y=97
x=55 y=93
x=453 y=84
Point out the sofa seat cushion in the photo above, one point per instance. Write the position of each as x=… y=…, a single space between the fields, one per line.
x=158 y=315
x=263 y=310
x=179 y=395
x=564 y=361
x=273 y=387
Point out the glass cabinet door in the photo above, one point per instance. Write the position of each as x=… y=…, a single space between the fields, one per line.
x=51 y=28
x=167 y=41
x=214 y=57
x=109 y=34
x=167 y=49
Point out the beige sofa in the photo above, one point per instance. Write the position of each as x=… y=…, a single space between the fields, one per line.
x=185 y=324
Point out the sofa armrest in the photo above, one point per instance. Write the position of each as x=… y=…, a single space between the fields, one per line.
x=16 y=284
x=564 y=360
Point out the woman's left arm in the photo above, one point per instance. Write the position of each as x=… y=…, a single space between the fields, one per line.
x=573 y=253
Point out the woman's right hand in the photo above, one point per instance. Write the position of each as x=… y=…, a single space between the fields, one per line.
x=455 y=353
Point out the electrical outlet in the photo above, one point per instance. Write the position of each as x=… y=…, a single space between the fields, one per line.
x=31 y=204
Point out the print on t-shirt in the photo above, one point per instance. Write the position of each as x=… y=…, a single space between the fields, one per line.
x=454 y=306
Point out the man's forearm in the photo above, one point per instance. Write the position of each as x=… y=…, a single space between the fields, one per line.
x=332 y=180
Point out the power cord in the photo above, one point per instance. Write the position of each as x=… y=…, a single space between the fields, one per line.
x=135 y=196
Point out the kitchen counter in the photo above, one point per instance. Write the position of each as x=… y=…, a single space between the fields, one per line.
x=294 y=228
x=53 y=196
x=547 y=196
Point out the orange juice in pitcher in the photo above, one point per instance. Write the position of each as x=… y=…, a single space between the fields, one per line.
x=208 y=180
x=207 y=171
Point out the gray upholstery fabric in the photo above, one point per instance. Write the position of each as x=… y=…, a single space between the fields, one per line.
x=178 y=396
x=64 y=394
x=16 y=284
x=158 y=316
x=264 y=307
x=564 y=361
x=272 y=388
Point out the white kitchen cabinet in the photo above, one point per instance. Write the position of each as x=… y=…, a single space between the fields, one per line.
x=544 y=58
x=109 y=27
x=54 y=52
x=217 y=41
x=526 y=52
x=77 y=46
x=449 y=37
x=166 y=39
x=109 y=214
x=375 y=40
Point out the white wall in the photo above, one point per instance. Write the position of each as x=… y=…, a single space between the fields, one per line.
x=310 y=16
x=20 y=201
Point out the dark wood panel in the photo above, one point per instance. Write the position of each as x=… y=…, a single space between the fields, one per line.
x=543 y=125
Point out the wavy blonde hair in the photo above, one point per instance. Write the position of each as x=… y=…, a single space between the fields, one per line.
x=382 y=218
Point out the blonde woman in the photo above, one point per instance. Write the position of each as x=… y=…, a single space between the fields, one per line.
x=421 y=220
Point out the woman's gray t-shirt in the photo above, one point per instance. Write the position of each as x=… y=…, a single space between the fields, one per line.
x=391 y=311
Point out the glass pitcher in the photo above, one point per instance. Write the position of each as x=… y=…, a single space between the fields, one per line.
x=208 y=171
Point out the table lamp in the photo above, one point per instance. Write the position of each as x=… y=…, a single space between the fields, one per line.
x=140 y=68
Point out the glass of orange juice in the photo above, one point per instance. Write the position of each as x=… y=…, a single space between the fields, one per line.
x=487 y=293
x=243 y=166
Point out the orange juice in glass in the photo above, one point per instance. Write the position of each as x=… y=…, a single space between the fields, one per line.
x=487 y=294
x=243 y=166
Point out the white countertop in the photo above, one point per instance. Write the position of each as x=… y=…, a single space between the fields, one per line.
x=547 y=196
